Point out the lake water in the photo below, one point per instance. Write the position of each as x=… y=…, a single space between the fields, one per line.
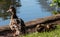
x=31 y=9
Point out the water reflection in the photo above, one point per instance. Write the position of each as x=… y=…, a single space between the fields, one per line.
x=4 y=5
x=46 y=5
x=3 y=8
x=32 y=9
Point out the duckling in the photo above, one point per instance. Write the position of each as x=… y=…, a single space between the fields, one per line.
x=15 y=22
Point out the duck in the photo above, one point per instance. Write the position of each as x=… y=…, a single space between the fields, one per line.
x=16 y=24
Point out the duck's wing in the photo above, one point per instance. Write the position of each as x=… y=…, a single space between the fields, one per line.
x=21 y=22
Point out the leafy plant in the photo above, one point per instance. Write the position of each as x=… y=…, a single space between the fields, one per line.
x=55 y=2
x=54 y=12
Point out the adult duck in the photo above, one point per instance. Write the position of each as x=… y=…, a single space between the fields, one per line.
x=15 y=22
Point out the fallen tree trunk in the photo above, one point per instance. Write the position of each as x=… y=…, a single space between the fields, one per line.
x=44 y=20
x=32 y=24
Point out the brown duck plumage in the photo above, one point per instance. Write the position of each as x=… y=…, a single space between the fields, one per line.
x=15 y=22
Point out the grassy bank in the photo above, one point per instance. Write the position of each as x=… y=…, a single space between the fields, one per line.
x=54 y=33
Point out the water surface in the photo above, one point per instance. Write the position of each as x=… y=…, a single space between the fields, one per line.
x=30 y=9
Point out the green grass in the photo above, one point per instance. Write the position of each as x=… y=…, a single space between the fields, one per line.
x=54 y=33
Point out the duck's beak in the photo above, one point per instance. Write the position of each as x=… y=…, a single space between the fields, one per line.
x=9 y=10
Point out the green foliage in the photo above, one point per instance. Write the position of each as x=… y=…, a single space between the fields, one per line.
x=54 y=12
x=0 y=0
x=55 y=2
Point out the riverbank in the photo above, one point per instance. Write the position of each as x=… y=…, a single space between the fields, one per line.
x=31 y=25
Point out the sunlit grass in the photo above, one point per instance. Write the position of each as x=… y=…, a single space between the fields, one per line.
x=54 y=33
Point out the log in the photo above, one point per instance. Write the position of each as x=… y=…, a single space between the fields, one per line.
x=32 y=24
x=48 y=19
